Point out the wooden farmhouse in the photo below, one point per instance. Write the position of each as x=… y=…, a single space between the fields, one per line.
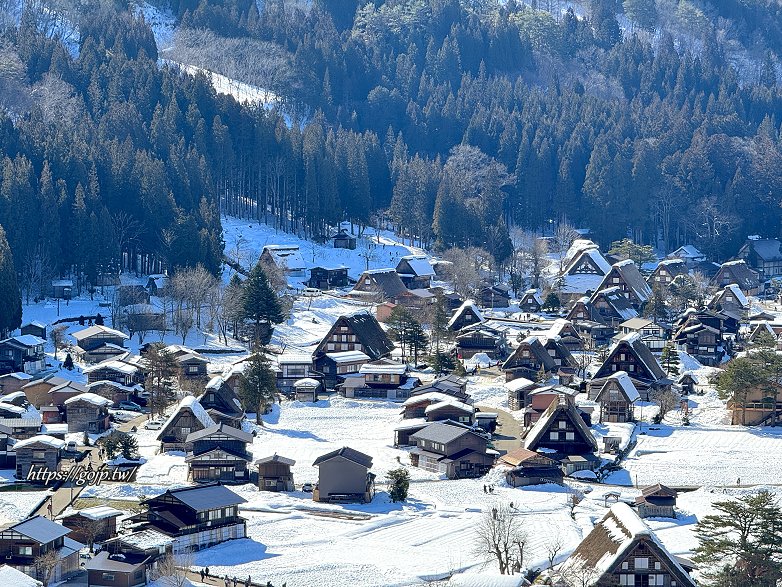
x=737 y=272
x=530 y=360
x=611 y=307
x=583 y=270
x=415 y=271
x=380 y=285
x=729 y=299
x=480 y=338
x=335 y=367
x=763 y=255
x=121 y=569
x=652 y=335
x=24 y=353
x=22 y=543
x=454 y=451
x=530 y=468
x=626 y=276
x=466 y=315
x=12 y=382
x=701 y=335
x=561 y=432
x=668 y=270
x=622 y=550
x=358 y=332
x=617 y=398
x=88 y=412
x=189 y=416
x=531 y=302
x=632 y=356
x=195 y=517
x=539 y=398
x=92 y=525
x=95 y=336
x=191 y=364
x=343 y=240
x=126 y=369
x=34 y=328
x=221 y=403
x=38 y=452
x=287 y=258
x=51 y=390
x=274 y=473
x=291 y=367
x=495 y=296
x=328 y=277
x=344 y=476
x=689 y=254
x=381 y=379
x=518 y=390
x=219 y=454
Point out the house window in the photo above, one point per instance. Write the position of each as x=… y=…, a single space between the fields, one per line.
x=570 y=436
x=192 y=369
x=185 y=431
x=625 y=566
x=614 y=280
x=625 y=579
x=641 y=563
x=270 y=483
x=107 y=577
x=657 y=580
x=39 y=454
x=26 y=550
x=553 y=435
x=562 y=424
x=330 y=346
x=657 y=566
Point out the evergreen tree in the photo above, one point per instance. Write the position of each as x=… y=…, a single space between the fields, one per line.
x=162 y=370
x=399 y=484
x=258 y=385
x=552 y=302
x=669 y=360
x=742 y=545
x=261 y=305
x=128 y=446
x=10 y=296
x=417 y=341
x=68 y=363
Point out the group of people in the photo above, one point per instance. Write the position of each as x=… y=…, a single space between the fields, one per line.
x=488 y=488
x=229 y=582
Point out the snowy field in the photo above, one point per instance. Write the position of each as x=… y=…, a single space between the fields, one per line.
x=15 y=506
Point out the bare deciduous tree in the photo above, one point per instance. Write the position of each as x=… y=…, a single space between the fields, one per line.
x=499 y=536
x=57 y=336
x=666 y=398
x=554 y=546
x=46 y=565
x=564 y=235
x=126 y=230
x=464 y=272
x=171 y=570
x=578 y=573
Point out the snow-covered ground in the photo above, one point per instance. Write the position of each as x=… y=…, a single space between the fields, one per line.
x=243 y=93
x=15 y=506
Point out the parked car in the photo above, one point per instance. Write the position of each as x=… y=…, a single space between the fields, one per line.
x=308 y=487
x=310 y=292
x=153 y=425
x=130 y=406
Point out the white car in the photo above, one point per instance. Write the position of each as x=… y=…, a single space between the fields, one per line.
x=153 y=425
x=310 y=292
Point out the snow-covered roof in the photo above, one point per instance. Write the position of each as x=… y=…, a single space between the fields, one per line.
x=79 y=335
x=114 y=384
x=89 y=397
x=12 y=397
x=419 y=264
x=40 y=439
x=294 y=358
x=146 y=539
x=306 y=382
x=198 y=410
x=468 y=304
x=348 y=357
x=517 y=384
x=429 y=396
x=736 y=291
x=114 y=365
x=10 y=576
x=100 y=512
x=625 y=384
x=286 y=256
x=576 y=249
x=687 y=252
x=613 y=538
x=580 y=283
x=20 y=376
x=28 y=340
x=383 y=367
x=449 y=403
x=487 y=580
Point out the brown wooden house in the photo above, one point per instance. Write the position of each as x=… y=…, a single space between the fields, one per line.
x=219 y=454
x=189 y=416
x=611 y=307
x=222 y=403
x=38 y=452
x=466 y=315
x=118 y=570
x=632 y=356
x=92 y=525
x=344 y=240
x=561 y=431
x=479 y=338
x=22 y=543
x=328 y=277
x=622 y=550
x=454 y=451
x=344 y=476
x=530 y=468
x=617 y=398
x=415 y=271
x=531 y=301
x=274 y=473
x=626 y=276
x=23 y=353
x=94 y=336
x=87 y=412
x=529 y=360
x=737 y=272
x=666 y=272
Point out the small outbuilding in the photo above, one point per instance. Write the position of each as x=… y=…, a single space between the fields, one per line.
x=274 y=473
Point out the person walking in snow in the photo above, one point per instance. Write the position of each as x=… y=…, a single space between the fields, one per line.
x=247 y=581
x=227 y=582
x=201 y=572
x=206 y=571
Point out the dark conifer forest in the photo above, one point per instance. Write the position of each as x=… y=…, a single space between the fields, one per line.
x=456 y=120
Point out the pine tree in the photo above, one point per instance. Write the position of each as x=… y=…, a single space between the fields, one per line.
x=742 y=544
x=669 y=359
x=68 y=363
x=417 y=341
x=10 y=296
x=162 y=370
x=258 y=385
x=260 y=305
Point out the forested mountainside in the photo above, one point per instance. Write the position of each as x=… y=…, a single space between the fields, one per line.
x=658 y=119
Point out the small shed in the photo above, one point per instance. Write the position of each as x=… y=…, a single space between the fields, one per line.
x=35 y=329
x=62 y=289
x=344 y=240
x=656 y=501
x=306 y=389
x=274 y=473
x=117 y=570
